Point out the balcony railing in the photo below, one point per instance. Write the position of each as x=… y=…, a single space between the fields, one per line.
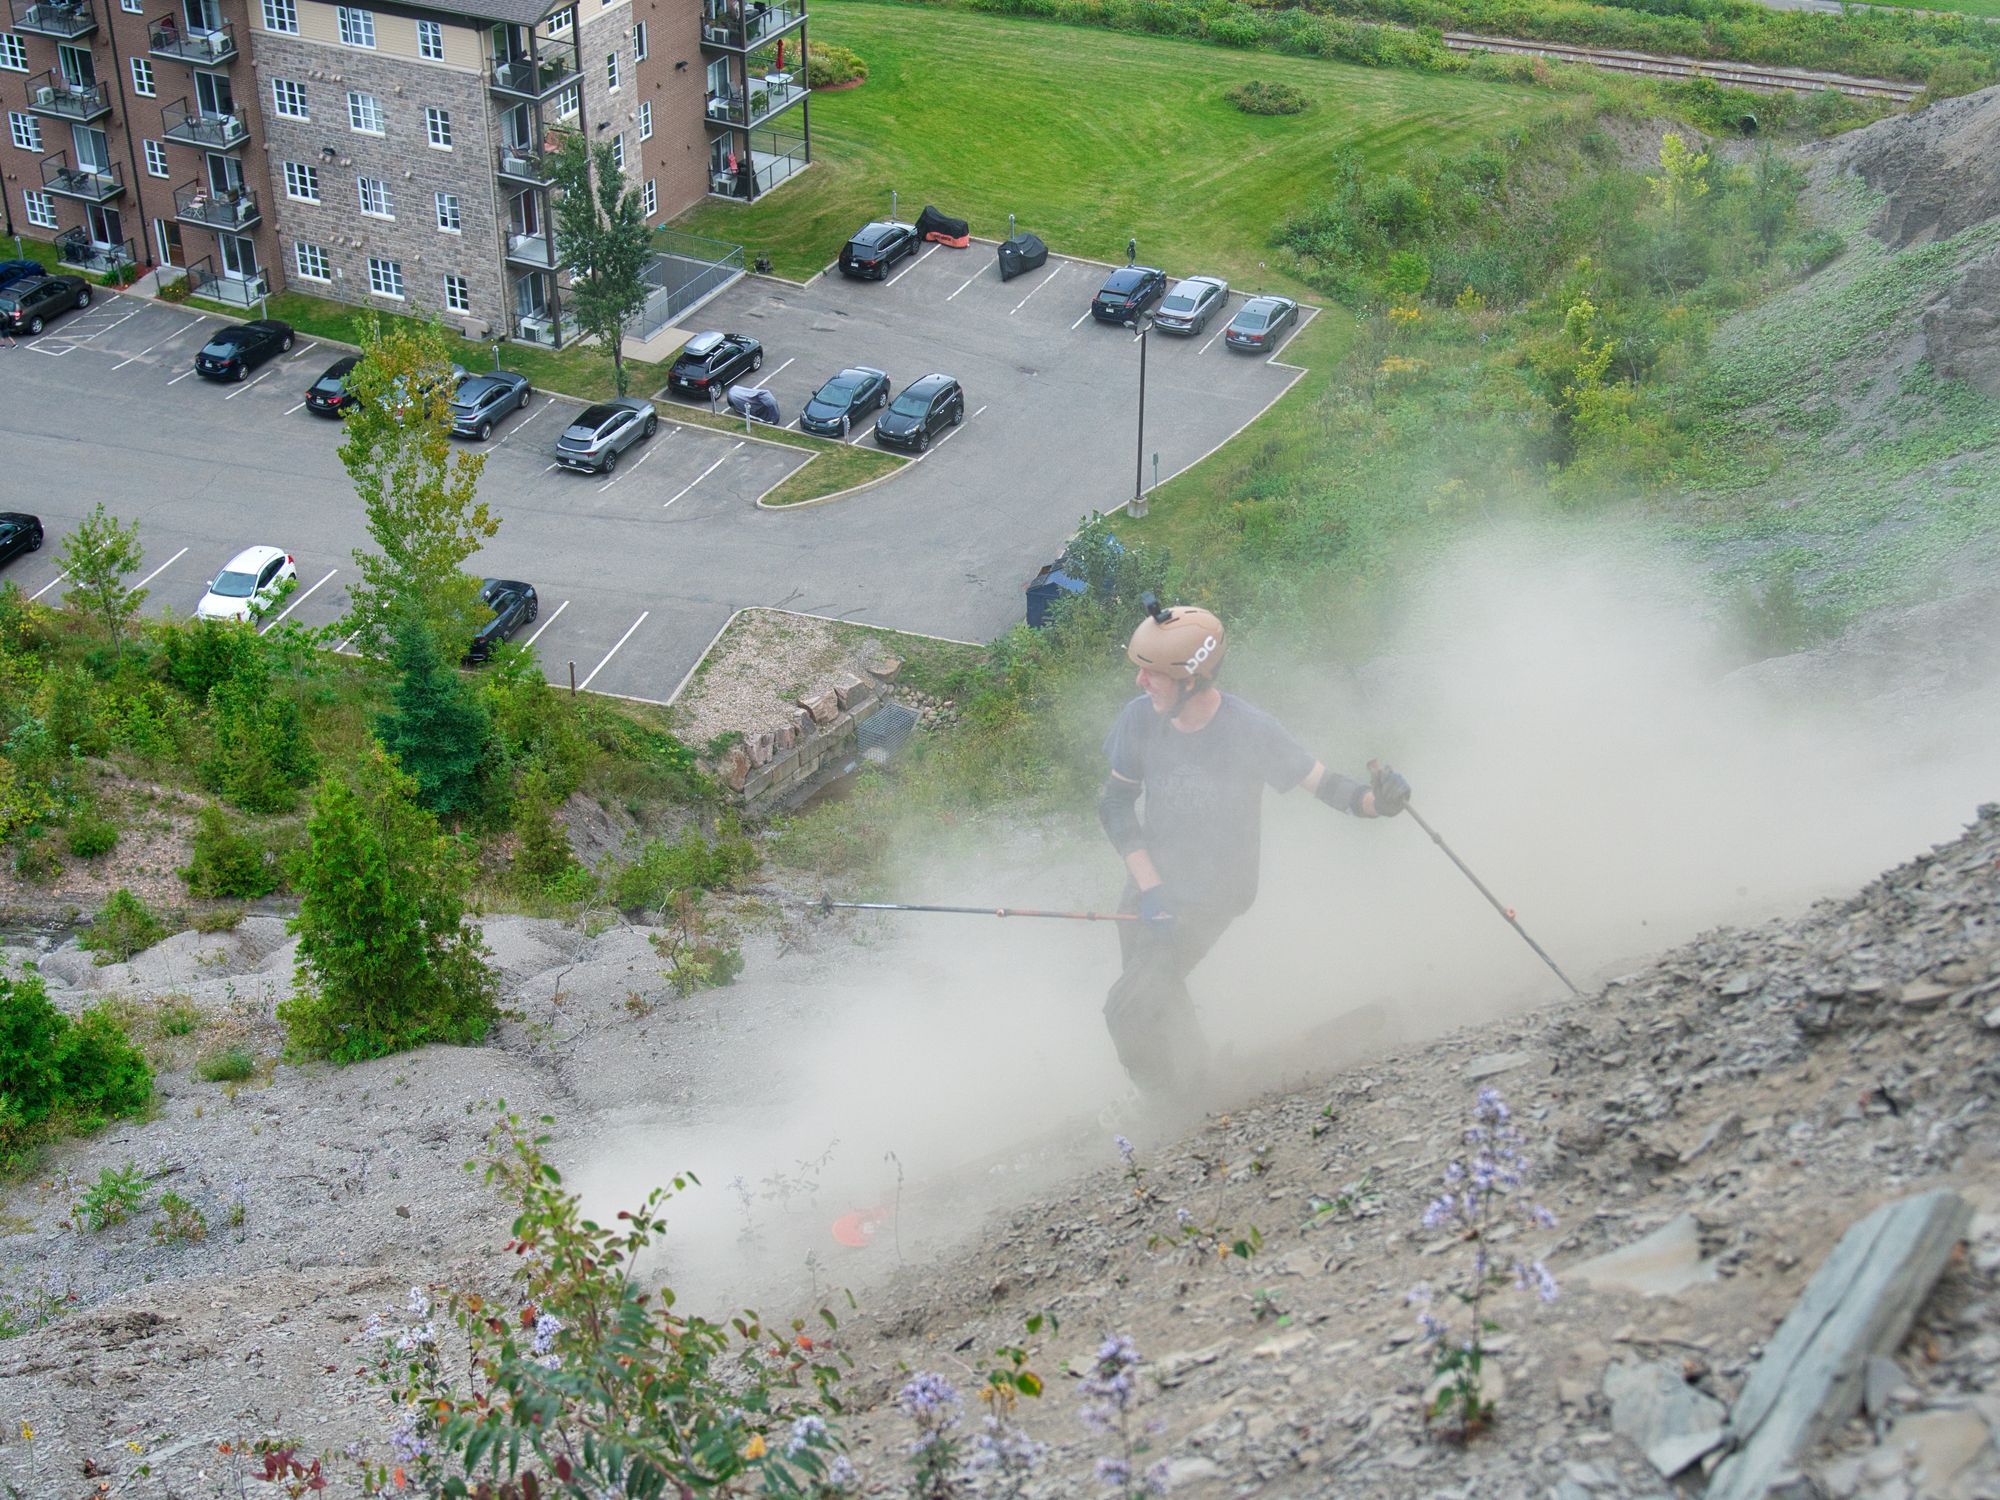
x=768 y=96
x=68 y=19
x=198 y=203
x=533 y=80
x=738 y=28
x=544 y=330
x=90 y=184
x=533 y=250
x=75 y=247
x=203 y=45
x=53 y=94
x=521 y=163
x=236 y=291
x=768 y=163
x=194 y=127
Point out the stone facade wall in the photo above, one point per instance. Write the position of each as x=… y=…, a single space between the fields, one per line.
x=676 y=158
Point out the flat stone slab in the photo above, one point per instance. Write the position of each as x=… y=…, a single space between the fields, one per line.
x=1665 y=1262
x=1670 y=1421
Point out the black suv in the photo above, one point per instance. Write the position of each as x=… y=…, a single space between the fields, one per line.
x=1128 y=292
x=19 y=532
x=876 y=247
x=485 y=398
x=513 y=604
x=27 y=305
x=925 y=409
x=710 y=361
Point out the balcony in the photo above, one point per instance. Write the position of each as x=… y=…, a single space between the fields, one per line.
x=89 y=185
x=194 y=127
x=199 y=45
x=197 y=203
x=545 y=331
x=533 y=250
x=738 y=28
x=522 y=164
x=235 y=291
x=522 y=79
x=76 y=248
x=53 y=94
x=67 y=19
x=768 y=96
x=769 y=162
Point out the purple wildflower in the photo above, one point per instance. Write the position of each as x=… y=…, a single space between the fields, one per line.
x=406 y=1442
x=547 y=1326
x=807 y=1432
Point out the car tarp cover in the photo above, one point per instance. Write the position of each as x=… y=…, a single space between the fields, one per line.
x=754 y=401
x=1024 y=252
x=946 y=231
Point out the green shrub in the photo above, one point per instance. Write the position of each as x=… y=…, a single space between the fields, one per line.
x=259 y=756
x=691 y=863
x=123 y=926
x=217 y=919
x=57 y=1074
x=112 y=1199
x=196 y=655
x=227 y=863
x=231 y=1065
x=543 y=860
x=182 y=1223
x=1260 y=98
x=90 y=834
x=828 y=65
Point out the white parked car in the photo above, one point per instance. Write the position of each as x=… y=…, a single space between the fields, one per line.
x=249 y=583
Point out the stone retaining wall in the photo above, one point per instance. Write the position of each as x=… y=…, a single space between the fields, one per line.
x=775 y=769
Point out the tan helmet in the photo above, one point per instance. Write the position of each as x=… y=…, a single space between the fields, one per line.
x=1185 y=640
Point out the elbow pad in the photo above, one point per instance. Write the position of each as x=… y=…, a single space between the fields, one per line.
x=1341 y=793
x=1118 y=812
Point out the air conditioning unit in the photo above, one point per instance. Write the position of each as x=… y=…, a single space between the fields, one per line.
x=536 y=327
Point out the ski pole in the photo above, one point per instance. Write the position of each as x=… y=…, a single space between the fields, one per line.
x=1480 y=885
x=826 y=904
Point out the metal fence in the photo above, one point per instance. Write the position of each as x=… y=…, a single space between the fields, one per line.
x=684 y=269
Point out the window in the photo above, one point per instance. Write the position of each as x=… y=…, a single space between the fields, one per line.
x=357 y=27
x=438 y=123
x=457 y=295
x=611 y=71
x=13 y=53
x=282 y=15
x=618 y=150
x=27 y=130
x=142 y=77
x=289 y=99
x=156 y=158
x=639 y=41
x=649 y=199
x=568 y=101
x=364 y=113
x=310 y=262
x=560 y=21
x=375 y=197
x=447 y=206
x=136 y=7
x=645 y=119
x=301 y=182
x=430 y=41
x=41 y=208
x=385 y=277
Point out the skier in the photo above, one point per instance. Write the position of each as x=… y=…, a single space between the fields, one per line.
x=1202 y=758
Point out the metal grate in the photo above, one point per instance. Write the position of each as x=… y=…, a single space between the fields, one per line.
x=886 y=728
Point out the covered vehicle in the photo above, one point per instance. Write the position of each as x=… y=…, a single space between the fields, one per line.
x=1024 y=252
x=932 y=225
x=755 y=402
x=1064 y=577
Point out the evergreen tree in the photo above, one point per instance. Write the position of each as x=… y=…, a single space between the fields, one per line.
x=259 y=753
x=439 y=730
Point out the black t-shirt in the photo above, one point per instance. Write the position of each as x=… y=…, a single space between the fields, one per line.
x=1202 y=813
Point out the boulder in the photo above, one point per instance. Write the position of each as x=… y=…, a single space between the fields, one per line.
x=761 y=748
x=824 y=706
x=850 y=691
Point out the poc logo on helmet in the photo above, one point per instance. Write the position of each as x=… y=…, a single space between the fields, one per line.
x=1193 y=663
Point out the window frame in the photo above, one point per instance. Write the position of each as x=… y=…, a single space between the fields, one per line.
x=281 y=89
x=387 y=198
x=359 y=105
x=437 y=123
x=24 y=130
x=41 y=207
x=155 y=154
x=276 y=13
x=308 y=177
x=304 y=251
x=455 y=283
x=639 y=41
x=144 y=84
x=16 y=53
x=429 y=33
x=382 y=270
x=649 y=199
x=447 y=203
x=355 y=25
x=645 y=119
x=613 y=74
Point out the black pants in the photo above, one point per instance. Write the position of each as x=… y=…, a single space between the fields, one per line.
x=1148 y=1011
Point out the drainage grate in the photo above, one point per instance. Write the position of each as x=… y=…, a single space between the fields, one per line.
x=886 y=728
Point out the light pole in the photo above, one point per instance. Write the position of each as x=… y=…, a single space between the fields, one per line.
x=1138 y=506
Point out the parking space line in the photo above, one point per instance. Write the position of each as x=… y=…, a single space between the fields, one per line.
x=290 y=409
x=964 y=284
x=546 y=624
x=614 y=650
x=235 y=393
x=160 y=569
x=1034 y=289
x=781 y=369
x=551 y=468
x=954 y=432
x=129 y=316
x=180 y=377
x=705 y=473
x=526 y=420
x=314 y=344
x=342 y=647
x=641 y=459
x=295 y=603
x=1211 y=341
x=47 y=586
x=1073 y=326
x=149 y=349
x=911 y=266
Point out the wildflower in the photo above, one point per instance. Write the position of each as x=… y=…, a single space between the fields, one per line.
x=27 y=1433
x=930 y=1398
x=419 y=1305
x=1184 y=1218
x=547 y=1326
x=841 y=1472
x=1114 y=1471
x=1545 y=1284
x=1124 y=1148
x=807 y=1431
x=755 y=1448
x=406 y=1442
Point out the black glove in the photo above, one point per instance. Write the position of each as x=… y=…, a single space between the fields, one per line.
x=1392 y=792
x=1156 y=906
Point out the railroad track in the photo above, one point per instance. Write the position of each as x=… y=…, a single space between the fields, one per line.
x=1768 y=80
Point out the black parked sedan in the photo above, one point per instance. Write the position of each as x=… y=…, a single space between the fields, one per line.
x=844 y=400
x=19 y=532
x=710 y=361
x=27 y=305
x=483 y=399
x=240 y=348
x=876 y=247
x=330 y=395
x=600 y=433
x=1128 y=292
x=12 y=271
x=513 y=604
x=925 y=409
x=1260 y=322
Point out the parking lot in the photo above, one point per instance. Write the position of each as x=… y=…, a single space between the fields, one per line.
x=638 y=571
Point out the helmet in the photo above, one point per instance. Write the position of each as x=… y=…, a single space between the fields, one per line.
x=1186 y=641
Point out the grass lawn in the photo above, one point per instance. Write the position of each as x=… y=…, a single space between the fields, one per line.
x=1089 y=137
x=838 y=467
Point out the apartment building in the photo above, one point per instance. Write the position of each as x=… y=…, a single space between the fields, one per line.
x=388 y=156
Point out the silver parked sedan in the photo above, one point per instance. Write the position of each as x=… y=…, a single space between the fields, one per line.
x=600 y=433
x=1189 y=306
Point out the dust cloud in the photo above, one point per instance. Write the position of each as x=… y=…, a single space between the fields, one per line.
x=1571 y=724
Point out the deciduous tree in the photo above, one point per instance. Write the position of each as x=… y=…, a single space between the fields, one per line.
x=98 y=557
x=602 y=235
